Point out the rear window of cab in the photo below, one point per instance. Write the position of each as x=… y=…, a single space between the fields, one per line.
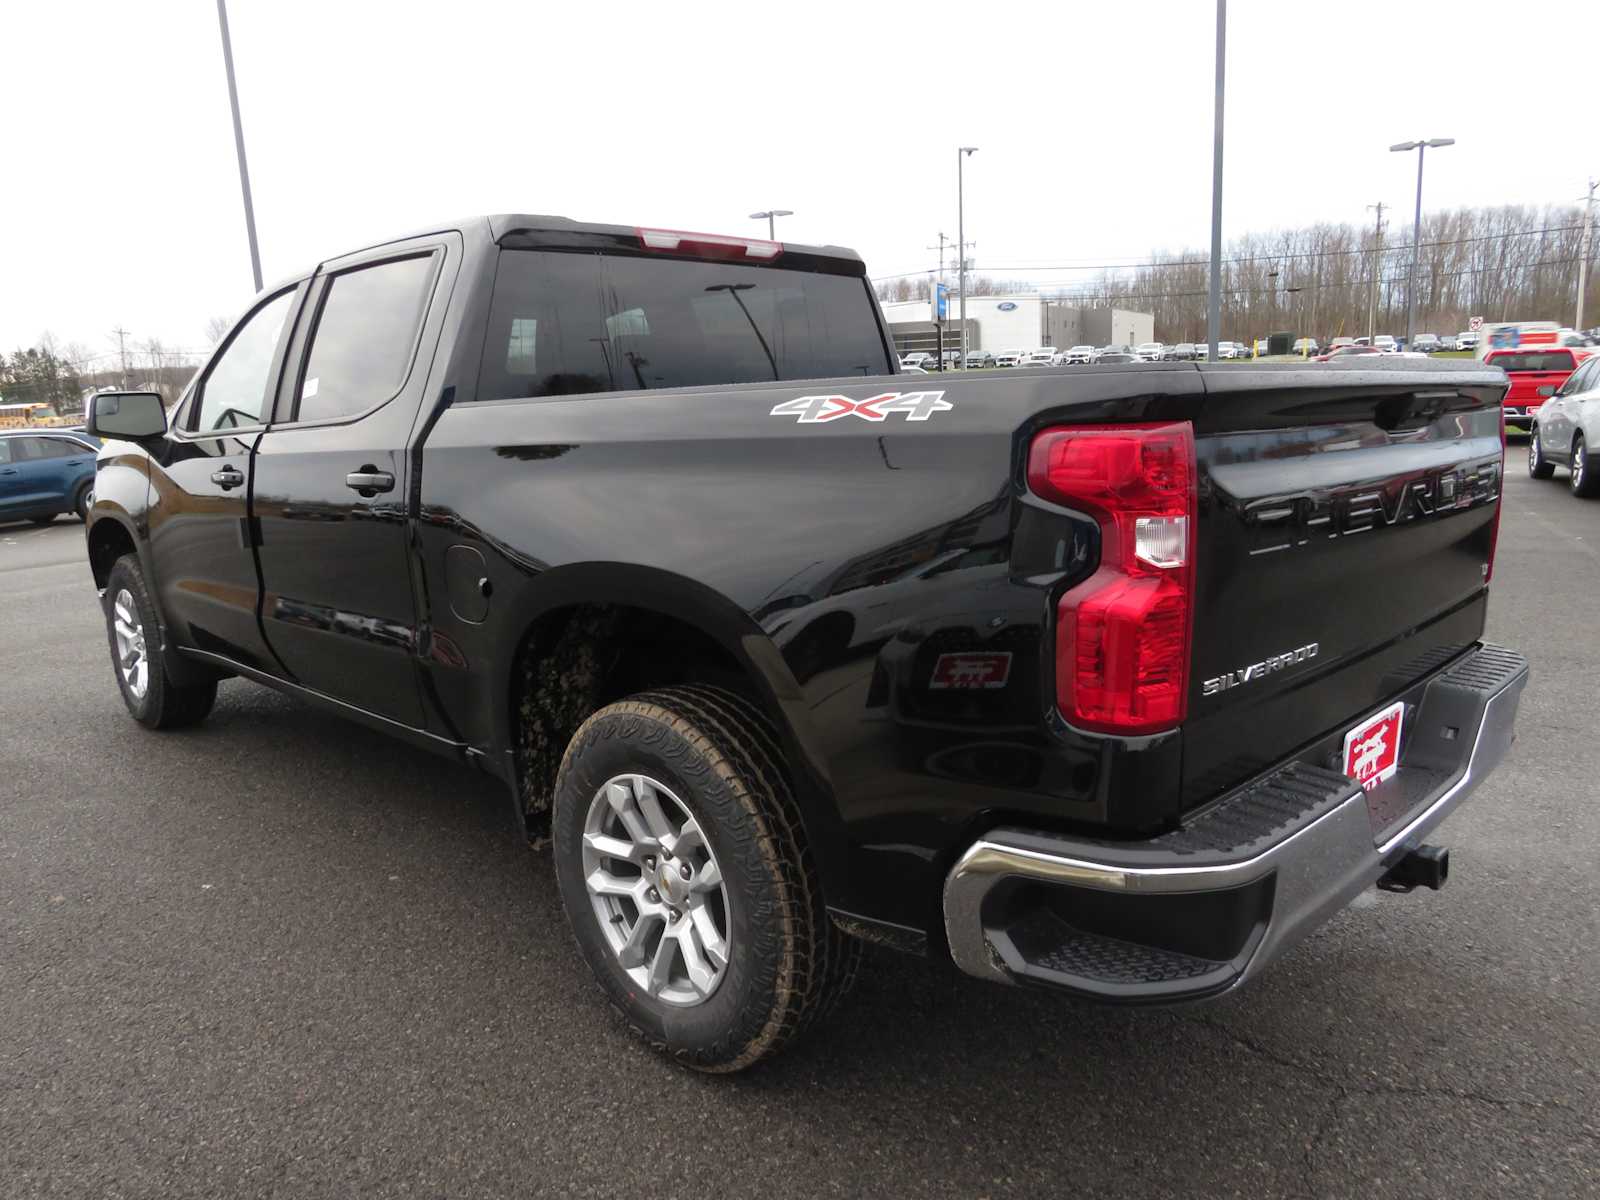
x=1531 y=360
x=565 y=324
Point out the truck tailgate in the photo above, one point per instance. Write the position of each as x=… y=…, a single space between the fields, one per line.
x=1346 y=524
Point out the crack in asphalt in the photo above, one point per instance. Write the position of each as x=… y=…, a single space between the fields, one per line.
x=1346 y=1087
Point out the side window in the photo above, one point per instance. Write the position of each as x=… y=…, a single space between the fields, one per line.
x=1586 y=377
x=5 y=451
x=365 y=337
x=60 y=448
x=32 y=449
x=234 y=391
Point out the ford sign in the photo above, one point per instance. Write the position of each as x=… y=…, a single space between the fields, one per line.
x=1007 y=306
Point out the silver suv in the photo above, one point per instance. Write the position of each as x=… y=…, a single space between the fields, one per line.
x=1566 y=431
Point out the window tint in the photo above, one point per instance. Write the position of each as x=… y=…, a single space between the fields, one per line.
x=58 y=448
x=5 y=450
x=1533 y=360
x=361 y=349
x=1583 y=379
x=233 y=392
x=32 y=449
x=564 y=324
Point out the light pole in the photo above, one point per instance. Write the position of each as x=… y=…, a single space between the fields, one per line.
x=961 y=241
x=1421 y=148
x=770 y=217
x=238 y=144
x=1583 y=255
x=1214 y=290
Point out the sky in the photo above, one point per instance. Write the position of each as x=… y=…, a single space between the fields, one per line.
x=120 y=205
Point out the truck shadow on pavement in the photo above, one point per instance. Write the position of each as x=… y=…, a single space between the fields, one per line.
x=396 y=876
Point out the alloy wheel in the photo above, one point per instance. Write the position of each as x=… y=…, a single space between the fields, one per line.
x=132 y=658
x=656 y=890
x=1578 y=454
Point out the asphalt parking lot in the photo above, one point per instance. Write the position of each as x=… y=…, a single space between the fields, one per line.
x=282 y=956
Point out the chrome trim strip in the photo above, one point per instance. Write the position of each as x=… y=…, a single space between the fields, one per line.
x=1321 y=865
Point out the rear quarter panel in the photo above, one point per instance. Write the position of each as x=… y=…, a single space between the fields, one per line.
x=837 y=559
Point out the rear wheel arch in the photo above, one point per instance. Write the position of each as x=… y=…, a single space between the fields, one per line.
x=602 y=632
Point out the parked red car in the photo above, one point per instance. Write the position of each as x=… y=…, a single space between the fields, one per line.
x=1535 y=374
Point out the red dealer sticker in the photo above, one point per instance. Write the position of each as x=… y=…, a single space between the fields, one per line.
x=982 y=672
x=1372 y=748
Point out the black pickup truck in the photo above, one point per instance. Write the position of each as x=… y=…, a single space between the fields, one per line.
x=1114 y=680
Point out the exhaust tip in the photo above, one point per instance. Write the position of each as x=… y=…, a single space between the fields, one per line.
x=1426 y=866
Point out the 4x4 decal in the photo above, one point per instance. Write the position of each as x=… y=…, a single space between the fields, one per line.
x=810 y=410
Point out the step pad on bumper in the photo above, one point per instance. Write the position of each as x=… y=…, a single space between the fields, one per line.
x=1050 y=947
x=1192 y=913
x=1259 y=815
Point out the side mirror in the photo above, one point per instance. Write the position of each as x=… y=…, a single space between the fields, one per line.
x=129 y=416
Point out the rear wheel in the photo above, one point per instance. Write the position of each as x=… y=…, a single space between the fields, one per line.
x=687 y=880
x=1585 y=479
x=153 y=699
x=1538 y=466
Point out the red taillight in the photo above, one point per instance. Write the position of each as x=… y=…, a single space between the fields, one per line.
x=1122 y=635
x=710 y=245
x=1499 y=503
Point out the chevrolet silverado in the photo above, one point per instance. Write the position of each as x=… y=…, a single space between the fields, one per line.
x=1114 y=680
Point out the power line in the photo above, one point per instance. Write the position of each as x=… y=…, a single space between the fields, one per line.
x=1135 y=293
x=1201 y=262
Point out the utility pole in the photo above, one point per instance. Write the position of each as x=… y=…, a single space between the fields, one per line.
x=940 y=248
x=121 y=335
x=1583 y=255
x=1214 y=290
x=238 y=144
x=1377 y=270
x=961 y=241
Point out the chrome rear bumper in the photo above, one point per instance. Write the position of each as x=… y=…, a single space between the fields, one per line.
x=1183 y=917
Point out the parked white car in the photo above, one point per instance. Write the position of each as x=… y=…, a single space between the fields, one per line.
x=1045 y=356
x=1228 y=350
x=1468 y=340
x=1149 y=351
x=1079 y=354
x=917 y=358
x=1008 y=358
x=1566 y=431
x=1385 y=343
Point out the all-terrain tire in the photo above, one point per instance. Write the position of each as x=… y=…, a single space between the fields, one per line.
x=164 y=704
x=788 y=965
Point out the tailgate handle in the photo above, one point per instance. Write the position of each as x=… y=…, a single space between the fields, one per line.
x=1413 y=410
x=369 y=481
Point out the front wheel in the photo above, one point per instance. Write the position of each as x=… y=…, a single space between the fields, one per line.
x=153 y=699
x=687 y=880
x=1585 y=474
x=82 y=501
x=1538 y=466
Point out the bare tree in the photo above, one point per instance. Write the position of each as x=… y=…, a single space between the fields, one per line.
x=217 y=329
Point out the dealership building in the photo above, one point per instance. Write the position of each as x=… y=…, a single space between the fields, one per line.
x=996 y=323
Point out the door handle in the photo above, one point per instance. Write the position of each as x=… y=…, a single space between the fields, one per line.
x=227 y=478
x=9 y=471
x=369 y=481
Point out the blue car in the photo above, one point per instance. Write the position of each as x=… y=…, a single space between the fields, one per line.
x=44 y=473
